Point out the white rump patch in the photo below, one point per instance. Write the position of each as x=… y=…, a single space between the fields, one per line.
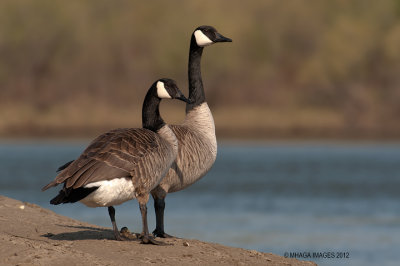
x=202 y=39
x=161 y=91
x=110 y=192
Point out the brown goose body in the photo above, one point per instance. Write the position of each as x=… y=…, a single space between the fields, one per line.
x=197 y=150
x=123 y=164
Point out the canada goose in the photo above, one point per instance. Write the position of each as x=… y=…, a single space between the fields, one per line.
x=197 y=148
x=123 y=164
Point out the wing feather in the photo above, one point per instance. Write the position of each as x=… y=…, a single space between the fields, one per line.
x=117 y=153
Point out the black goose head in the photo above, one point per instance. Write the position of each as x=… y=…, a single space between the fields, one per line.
x=167 y=89
x=207 y=35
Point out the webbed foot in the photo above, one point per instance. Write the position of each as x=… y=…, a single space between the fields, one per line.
x=147 y=239
x=162 y=234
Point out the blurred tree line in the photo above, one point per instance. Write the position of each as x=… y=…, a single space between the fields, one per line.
x=335 y=62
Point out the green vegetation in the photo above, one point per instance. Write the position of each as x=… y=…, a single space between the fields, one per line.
x=299 y=68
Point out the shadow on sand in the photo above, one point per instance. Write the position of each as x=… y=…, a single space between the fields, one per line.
x=85 y=233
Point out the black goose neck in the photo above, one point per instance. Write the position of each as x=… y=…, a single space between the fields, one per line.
x=196 y=90
x=151 y=118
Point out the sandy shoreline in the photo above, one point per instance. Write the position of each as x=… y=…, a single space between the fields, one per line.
x=31 y=235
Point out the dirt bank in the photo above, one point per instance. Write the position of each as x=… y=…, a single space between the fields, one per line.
x=31 y=235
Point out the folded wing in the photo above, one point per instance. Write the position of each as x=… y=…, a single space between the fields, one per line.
x=117 y=153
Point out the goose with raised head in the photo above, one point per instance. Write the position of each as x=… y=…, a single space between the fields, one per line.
x=197 y=148
x=123 y=164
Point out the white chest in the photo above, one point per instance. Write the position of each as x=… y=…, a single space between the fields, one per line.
x=201 y=120
x=198 y=152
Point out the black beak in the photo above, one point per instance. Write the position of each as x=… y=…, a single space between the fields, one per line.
x=221 y=38
x=183 y=98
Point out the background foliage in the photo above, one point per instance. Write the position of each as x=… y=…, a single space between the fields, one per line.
x=300 y=68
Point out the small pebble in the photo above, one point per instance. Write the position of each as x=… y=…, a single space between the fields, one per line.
x=186 y=244
x=254 y=253
x=126 y=233
x=22 y=207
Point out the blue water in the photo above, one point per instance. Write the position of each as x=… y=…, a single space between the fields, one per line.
x=272 y=197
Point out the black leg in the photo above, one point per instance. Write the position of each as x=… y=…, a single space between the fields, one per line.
x=111 y=212
x=146 y=238
x=159 y=207
x=117 y=235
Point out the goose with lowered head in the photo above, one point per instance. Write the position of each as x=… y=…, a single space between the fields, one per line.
x=123 y=164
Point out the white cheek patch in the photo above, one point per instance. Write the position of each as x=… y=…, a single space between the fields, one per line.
x=161 y=91
x=202 y=39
